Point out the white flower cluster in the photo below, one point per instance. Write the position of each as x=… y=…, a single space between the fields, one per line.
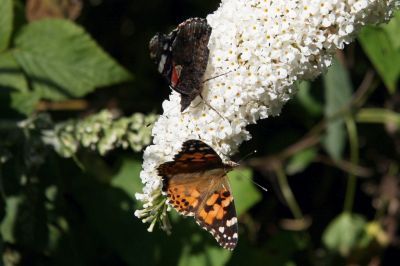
x=261 y=47
x=101 y=132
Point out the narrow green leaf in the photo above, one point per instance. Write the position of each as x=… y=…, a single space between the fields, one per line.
x=344 y=233
x=338 y=90
x=6 y=23
x=378 y=44
x=245 y=193
x=300 y=161
x=63 y=61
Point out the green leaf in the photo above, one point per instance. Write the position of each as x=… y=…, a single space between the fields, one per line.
x=63 y=61
x=14 y=92
x=300 y=161
x=245 y=193
x=7 y=225
x=382 y=46
x=393 y=30
x=312 y=106
x=345 y=233
x=212 y=255
x=11 y=75
x=128 y=177
x=6 y=22
x=24 y=103
x=338 y=90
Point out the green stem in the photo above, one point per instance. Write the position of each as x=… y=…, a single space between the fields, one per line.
x=378 y=115
x=287 y=193
x=351 y=182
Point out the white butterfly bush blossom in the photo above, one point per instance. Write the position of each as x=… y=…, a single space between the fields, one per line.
x=262 y=48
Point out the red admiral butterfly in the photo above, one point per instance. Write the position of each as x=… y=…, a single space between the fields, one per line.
x=182 y=57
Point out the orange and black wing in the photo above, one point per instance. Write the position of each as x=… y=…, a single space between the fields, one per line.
x=196 y=185
x=184 y=178
x=217 y=215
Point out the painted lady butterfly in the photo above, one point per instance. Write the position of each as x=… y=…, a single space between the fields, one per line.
x=182 y=57
x=197 y=185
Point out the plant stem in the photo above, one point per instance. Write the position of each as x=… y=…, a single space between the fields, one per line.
x=351 y=183
x=287 y=193
x=312 y=138
x=378 y=115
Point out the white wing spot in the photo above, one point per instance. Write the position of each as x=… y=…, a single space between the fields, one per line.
x=235 y=235
x=221 y=229
x=162 y=63
x=231 y=221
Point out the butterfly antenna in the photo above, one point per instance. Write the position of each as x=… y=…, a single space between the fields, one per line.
x=258 y=185
x=217 y=76
x=254 y=182
x=247 y=156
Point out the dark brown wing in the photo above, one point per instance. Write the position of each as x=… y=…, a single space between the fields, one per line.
x=194 y=156
x=190 y=52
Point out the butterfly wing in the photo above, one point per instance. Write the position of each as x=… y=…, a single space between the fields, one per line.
x=190 y=52
x=196 y=185
x=185 y=179
x=217 y=215
x=160 y=47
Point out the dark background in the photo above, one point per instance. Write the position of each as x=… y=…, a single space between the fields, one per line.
x=90 y=220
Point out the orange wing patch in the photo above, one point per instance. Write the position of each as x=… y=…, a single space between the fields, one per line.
x=215 y=207
x=183 y=199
